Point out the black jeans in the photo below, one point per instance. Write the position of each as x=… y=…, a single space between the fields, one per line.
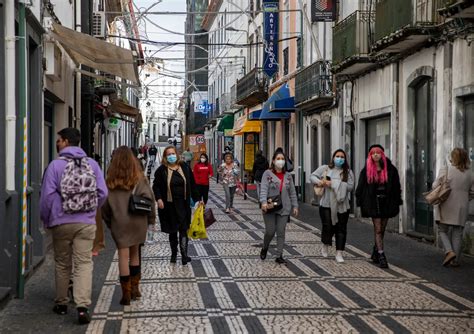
x=204 y=191
x=339 y=230
x=182 y=241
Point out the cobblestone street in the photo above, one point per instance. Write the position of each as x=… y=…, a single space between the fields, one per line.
x=227 y=288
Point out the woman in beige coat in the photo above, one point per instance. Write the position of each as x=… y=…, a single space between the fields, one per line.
x=128 y=230
x=452 y=213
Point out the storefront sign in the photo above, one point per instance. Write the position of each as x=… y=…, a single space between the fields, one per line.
x=323 y=11
x=201 y=103
x=112 y=123
x=227 y=132
x=270 y=55
x=208 y=134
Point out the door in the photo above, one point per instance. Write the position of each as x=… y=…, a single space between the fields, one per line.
x=469 y=142
x=349 y=149
x=314 y=148
x=326 y=143
x=424 y=156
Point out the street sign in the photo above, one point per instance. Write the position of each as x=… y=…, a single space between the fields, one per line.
x=200 y=139
x=270 y=25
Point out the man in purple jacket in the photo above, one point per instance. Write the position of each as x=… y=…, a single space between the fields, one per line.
x=73 y=190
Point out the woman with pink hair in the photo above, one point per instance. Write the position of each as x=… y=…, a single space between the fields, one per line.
x=378 y=194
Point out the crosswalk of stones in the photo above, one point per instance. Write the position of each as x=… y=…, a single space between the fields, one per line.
x=228 y=289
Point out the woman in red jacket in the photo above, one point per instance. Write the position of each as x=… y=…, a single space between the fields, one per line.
x=202 y=173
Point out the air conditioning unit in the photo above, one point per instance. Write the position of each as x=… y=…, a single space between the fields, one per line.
x=52 y=55
x=98 y=24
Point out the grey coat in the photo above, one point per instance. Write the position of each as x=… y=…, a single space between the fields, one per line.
x=270 y=187
x=455 y=209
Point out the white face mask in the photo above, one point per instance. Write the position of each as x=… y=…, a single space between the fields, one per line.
x=203 y=160
x=280 y=164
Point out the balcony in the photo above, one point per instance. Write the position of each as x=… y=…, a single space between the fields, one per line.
x=105 y=87
x=313 y=86
x=463 y=9
x=351 y=43
x=401 y=25
x=251 y=89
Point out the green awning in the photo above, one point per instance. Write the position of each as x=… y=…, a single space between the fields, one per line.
x=226 y=123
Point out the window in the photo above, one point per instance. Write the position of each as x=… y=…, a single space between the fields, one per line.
x=285 y=61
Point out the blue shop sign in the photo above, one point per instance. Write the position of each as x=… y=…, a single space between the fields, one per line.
x=270 y=50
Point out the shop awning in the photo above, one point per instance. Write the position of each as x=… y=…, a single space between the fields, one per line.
x=95 y=53
x=226 y=123
x=279 y=105
x=124 y=108
x=243 y=125
x=255 y=115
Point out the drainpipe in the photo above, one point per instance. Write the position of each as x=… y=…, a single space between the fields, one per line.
x=22 y=94
x=10 y=87
x=77 y=98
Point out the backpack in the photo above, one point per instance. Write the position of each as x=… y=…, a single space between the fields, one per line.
x=78 y=186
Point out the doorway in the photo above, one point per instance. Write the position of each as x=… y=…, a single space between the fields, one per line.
x=326 y=143
x=469 y=141
x=314 y=147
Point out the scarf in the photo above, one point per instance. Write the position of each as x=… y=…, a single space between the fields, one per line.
x=169 y=195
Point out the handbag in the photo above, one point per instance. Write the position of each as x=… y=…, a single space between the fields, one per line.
x=274 y=203
x=139 y=205
x=440 y=193
x=319 y=190
x=209 y=218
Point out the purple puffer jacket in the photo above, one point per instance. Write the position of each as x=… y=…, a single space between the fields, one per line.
x=52 y=213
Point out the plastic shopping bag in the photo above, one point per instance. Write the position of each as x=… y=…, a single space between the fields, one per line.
x=197 y=230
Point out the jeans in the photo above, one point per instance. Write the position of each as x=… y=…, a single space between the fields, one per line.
x=73 y=254
x=329 y=230
x=453 y=242
x=229 y=196
x=203 y=191
x=182 y=241
x=274 y=222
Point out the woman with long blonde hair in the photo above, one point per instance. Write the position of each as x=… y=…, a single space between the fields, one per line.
x=124 y=178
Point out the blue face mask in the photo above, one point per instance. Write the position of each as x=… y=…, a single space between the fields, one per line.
x=339 y=162
x=171 y=158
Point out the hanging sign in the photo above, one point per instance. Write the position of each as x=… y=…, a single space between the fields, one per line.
x=323 y=11
x=112 y=123
x=270 y=50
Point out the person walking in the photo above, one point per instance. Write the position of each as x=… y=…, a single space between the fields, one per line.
x=379 y=195
x=152 y=152
x=338 y=181
x=188 y=157
x=260 y=165
x=289 y=163
x=68 y=209
x=229 y=173
x=453 y=213
x=202 y=173
x=125 y=179
x=277 y=183
x=174 y=187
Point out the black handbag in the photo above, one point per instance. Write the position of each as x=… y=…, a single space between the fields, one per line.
x=274 y=203
x=139 y=205
x=209 y=218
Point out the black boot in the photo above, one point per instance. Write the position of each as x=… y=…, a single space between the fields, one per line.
x=263 y=253
x=383 y=261
x=375 y=255
x=174 y=250
x=183 y=247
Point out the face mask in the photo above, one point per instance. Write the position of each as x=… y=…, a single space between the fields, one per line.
x=280 y=164
x=171 y=158
x=203 y=160
x=339 y=161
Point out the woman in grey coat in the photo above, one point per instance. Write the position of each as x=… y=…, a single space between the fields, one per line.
x=277 y=181
x=452 y=213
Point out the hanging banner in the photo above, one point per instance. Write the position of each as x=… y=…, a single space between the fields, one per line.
x=270 y=50
x=323 y=11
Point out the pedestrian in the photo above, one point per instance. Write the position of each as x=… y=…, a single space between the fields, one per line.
x=202 y=173
x=152 y=152
x=379 y=197
x=188 y=157
x=260 y=165
x=338 y=182
x=68 y=210
x=452 y=213
x=277 y=186
x=174 y=187
x=125 y=179
x=175 y=142
x=229 y=173
x=289 y=163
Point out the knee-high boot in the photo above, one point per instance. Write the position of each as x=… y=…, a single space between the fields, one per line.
x=183 y=246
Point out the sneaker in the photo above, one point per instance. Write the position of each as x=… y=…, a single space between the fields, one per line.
x=449 y=257
x=83 y=315
x=280 y=260
x=60 y=309
x=339 y=258
x=325 y=250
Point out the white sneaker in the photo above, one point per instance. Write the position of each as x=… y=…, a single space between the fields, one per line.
x=339 y=258
x=325 y=250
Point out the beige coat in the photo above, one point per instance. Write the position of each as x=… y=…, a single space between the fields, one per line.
x=128 y=230
x=455 y=209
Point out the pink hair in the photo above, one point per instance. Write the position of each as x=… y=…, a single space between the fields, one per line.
x=373 y=176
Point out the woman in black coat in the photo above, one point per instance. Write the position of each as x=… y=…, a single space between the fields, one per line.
x=173 y=187
x=260 y=165
x=378 y=194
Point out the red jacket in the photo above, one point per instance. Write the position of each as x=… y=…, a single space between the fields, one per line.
x=202 y=173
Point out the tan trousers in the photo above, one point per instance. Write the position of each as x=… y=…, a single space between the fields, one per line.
x=99 y=241
x=73 y=253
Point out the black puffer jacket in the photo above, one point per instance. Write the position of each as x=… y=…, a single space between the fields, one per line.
x=260 y=165
x=366 y=195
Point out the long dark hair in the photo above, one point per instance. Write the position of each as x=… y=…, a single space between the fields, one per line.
x=205 y=156
x=272 y=166
x=345 y=166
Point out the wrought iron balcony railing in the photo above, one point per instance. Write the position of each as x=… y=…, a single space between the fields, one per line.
x=252 y=89
x=314 y=83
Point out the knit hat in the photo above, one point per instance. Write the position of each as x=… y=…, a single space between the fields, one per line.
x=376 y=145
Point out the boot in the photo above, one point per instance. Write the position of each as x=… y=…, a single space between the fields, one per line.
x=135 y=277
x=375 y=255
x=383 y=261
x=183 y=246
x=126 y=290
x=174 y=250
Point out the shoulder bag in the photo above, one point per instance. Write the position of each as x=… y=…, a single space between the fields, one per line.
x=319 y=190
x=139 y=205
x=440 y=193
